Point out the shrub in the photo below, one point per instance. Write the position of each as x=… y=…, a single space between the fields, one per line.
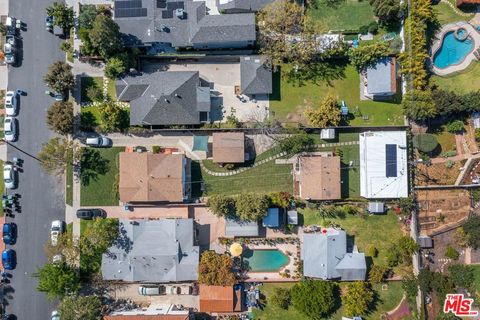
x=229 y=166
x=425 y=142
x=455 y=126
x=451 y=253
x=94 y=93
x=373 y=27
x=377 y=274
x=156 y=149
x=477 y=135
x=314 y=298
x=66 y=46
x=371 y=251
x=449 y=164
x=280 y=298
x=448 y=154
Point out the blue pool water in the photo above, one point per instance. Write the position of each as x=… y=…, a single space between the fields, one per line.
x=265 y=260
x=452 y=51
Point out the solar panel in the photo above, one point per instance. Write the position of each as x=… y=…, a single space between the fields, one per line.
x=166 y=14
x=175 y=5
x=391 y=160
x=128 y=4
x=162 y=4
x=130 y=12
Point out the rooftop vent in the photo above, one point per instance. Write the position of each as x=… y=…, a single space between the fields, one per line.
x=179 y=13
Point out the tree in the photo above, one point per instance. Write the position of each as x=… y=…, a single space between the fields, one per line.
x=221 y=205
x=216 y=269
x=60 y=77
x=280 y=297
x=462 y=275
x=407 y=247
x=60 y=117
x=251 y=206
x=425 y=142
x=371 y=251
x=280 y=199
x=62 y=14
x=365 y=56
x=56 y=154
x=314 y=298
x=57 y=280
x=410 y=286
x=105 y=36
x=116 y=66
x=455 y=126
x=296 y=143
x=387 y=11
x=327 y=114
x=451 y=253
x=94 y=93
x=447 y=102
x=418 y=105
x=406 y=205
x=80 y=308
x=92 y=164
x=88 y=13
x=377 y=273
x=471 y=227
x=113 y=116
x=460 y=237
x=357 y=298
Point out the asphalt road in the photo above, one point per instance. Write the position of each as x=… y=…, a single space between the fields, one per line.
x=42 y=196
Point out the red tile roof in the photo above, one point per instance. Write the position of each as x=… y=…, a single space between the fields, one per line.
x=219 y=299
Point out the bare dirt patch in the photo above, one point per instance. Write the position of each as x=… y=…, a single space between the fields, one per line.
x=437 y=174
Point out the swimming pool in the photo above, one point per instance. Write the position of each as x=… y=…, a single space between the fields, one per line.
x=270 y=260
x=452 y=50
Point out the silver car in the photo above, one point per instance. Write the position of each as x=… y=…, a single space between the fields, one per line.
x=11 y=103
x=100 y=141
x=151 y=290
x=9 y=176
x=10 y=129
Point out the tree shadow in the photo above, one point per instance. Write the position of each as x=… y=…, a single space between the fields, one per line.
x=317 y=73
x=91 y=165
x=88 y=122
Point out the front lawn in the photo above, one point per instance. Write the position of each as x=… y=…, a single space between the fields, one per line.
x=87 y=82
x=461 y=82
x=289 y=98
x=378 y=230
x=344 y=15
x=104 y=190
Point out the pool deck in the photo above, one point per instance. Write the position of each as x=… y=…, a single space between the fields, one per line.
x=473 y=33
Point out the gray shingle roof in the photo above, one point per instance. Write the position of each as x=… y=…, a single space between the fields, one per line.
x=194 y=28
x=153 y=251
x=164 y=98
x=380 y=78
x=256 y=78
x=243 y=5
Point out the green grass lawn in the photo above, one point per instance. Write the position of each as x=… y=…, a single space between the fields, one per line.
x=289 y=99
x=446 y=14
x=386 y=301
x=379 y=230
x=445 y=139
x=87 y=82
x=69 y=185
x=112 y=91
x=92 y=113
x=101 y=192
x=476 y=271
x=345 y=15
x=462 y=82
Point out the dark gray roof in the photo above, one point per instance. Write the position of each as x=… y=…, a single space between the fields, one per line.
x=195 y=27
x=236 y=228
x=164 y=98
x=256 y=77
x=153 y=251
x=243 y=5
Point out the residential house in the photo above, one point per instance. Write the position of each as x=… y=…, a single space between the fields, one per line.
x=182 y=24
x=325 y=256
x=383 y=164
x=256 y=76
x=165 y=98
x=220 y=299
x=242 y=6
x=159 y=251
x=149 y=177
x=237 y=228
x=228 y=147
x=380 y=79
x=317 y=176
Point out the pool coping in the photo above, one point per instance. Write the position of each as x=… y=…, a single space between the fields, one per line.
x=271 y=249
x=469 y=58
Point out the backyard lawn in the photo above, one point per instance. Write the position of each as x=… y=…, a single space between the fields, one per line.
x=446 y=14
x=344 y=15
x=463 y=82
x=102 y=191
x=289 y=99
x=387 y=300
x=378 y=230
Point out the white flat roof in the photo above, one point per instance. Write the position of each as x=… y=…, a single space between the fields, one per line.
x=379 y=178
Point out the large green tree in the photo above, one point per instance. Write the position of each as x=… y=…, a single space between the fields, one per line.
x=116 y=65
x=80 y=308
x=357 y=298
x=280 y=297
x=57 y=154
x=251 y=206
x=62 y=14
x=60 y=117
x=365 y=56
x=216 y=269
x=296 y=143
x=57 y=280
x=105 y=36
x=314 y=298
x=88 y=13
x=471 y=227
x=418 y=105
x=387 y=11
x=221 y=205
x=114 y=117
x=60 y=77
x=326 y=115
x=462 y=276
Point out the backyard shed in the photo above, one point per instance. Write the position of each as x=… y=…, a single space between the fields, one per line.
x=476 y=120
x=425 y=242
x=272 y=219
x=229 y=147
x=237 y=228
x=380 y=80
x=327 y=134
x=292 y=217
x=376 y=207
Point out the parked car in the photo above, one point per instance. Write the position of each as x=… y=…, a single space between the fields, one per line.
x=156 y=290
x=10 y=129
x=99 y=141
x=59 y=96
x=9 y=232
x=57 y=258
x=89 y=214
x=9 y=259
x=49 y=23
x=55 y=315
x=9 y=176
x=56 y=230
x=11 y=103
x=186 y=289
x=173 y=290
x=9 y=51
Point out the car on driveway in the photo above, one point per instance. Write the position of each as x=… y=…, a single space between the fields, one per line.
x=100 y=141
x=9 y=232
x=49 y=23
x=89 y=214
x=55 y=315
x=9 y=176
x=9 y=259
x=56 y=230
x=153 y=290
x=10 y=129
x=11 y=103
x=173 y=290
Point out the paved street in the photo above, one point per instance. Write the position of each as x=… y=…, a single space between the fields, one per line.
x=42 y=196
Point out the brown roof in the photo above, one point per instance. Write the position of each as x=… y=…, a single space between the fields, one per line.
x=219 y=299
x=318 y=177
x=151 y=177
x=148 y=317
x=229 y=147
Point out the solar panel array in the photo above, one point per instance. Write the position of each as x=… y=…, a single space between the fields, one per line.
x=171 y=7
x=391 y=160
x=129 y=8
x=161 y=4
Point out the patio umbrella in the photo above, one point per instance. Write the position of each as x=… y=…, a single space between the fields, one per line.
x=236 y=249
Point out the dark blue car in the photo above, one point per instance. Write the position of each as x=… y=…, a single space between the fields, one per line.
x=8 y=259
x=9 y=231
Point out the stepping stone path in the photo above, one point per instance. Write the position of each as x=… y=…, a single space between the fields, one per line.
x=271 y=158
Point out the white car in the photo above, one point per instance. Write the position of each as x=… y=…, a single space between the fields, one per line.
x=9 y=176
x=10 y=129
x=57 y=258
x=55 y=315
x=55 y=231
x=11 y=103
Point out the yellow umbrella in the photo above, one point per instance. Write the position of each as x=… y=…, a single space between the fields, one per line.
x=236 y=249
